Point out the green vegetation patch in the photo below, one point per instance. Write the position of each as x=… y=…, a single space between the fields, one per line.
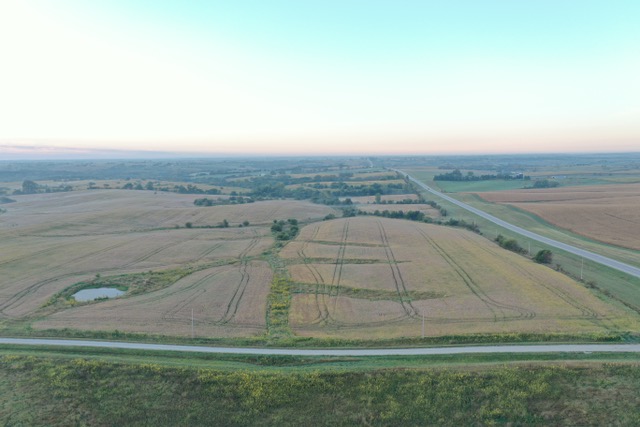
x=368 y=294
x=278 y=304
x=50 y=391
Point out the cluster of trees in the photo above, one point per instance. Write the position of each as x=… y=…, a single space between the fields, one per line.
x=233 y=200
x=31 y=187
x=317 y=181
x=188 y=189
x=223 y=224
x=421 y=217
x=456 y=175
x=327 y=196
x=410 y=215
x=399 y=202
x=285 y=230
x=509 y=244
x=543 y=256
x=545 y=183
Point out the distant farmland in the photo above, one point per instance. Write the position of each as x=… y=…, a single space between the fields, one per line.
x=208 y=271
x=373 y=277
x=53 y=241
x=608 y=213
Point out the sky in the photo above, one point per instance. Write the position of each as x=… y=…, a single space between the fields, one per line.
x=320 y=76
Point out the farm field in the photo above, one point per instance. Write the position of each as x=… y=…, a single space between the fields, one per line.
x=607 y=213
x=53 y=241
x=226 y=301
x=374 y=277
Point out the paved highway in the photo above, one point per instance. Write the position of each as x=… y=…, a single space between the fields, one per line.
x=428 y=351
x=625 y=268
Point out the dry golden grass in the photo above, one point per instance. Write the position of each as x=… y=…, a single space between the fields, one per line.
x=608 y=213
x=51 y=241
x=477 y=287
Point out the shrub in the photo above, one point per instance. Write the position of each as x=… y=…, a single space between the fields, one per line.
x=544 y=256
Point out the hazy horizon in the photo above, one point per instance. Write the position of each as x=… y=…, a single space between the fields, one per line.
x=331 y=78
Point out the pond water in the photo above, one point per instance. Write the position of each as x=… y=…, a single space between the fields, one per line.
x=91 y=294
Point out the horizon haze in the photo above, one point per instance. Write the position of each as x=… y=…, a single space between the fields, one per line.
x=331 y=78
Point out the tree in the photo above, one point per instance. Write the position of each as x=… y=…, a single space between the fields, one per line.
x=544 y=256
x=29 y=187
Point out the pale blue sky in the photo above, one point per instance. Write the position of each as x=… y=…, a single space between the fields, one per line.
x=321 y=76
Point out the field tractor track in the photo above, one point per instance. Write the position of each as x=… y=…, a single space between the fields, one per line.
x=234 y=302
x=15 y=299
x=337 y=272
x=317 y=277
x=586 y=311
x=155 y=251
x=326 y=295
x=168 y=292
x=399 y=283
x=497 y=308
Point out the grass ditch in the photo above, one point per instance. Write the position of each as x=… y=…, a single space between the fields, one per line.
x=56 y=390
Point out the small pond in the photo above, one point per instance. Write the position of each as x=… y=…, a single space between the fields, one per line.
x=91 y=294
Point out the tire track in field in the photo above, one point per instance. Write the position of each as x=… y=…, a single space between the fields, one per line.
x=209 y=251
x=317 y=277
x=163 y=293
x=234 y=302
x=337 y=275
x=401 y=288
x=56 y=248
x=587 y=312
x=497 y=308
x=171 y=315
x=11 y=302
x=15 y=300
x=156 y=251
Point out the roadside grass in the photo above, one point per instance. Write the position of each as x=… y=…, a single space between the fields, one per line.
x=281 y=338
x=283 y=363
x=60 y=390
x=489 y=185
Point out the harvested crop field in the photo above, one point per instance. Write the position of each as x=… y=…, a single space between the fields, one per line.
x=53 y=241
x=226 y=301
x=367 y=277
x=608 y=213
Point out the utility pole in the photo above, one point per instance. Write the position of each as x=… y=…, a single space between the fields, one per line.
x=581 y=267
x=192 y=334
x=423 y=324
